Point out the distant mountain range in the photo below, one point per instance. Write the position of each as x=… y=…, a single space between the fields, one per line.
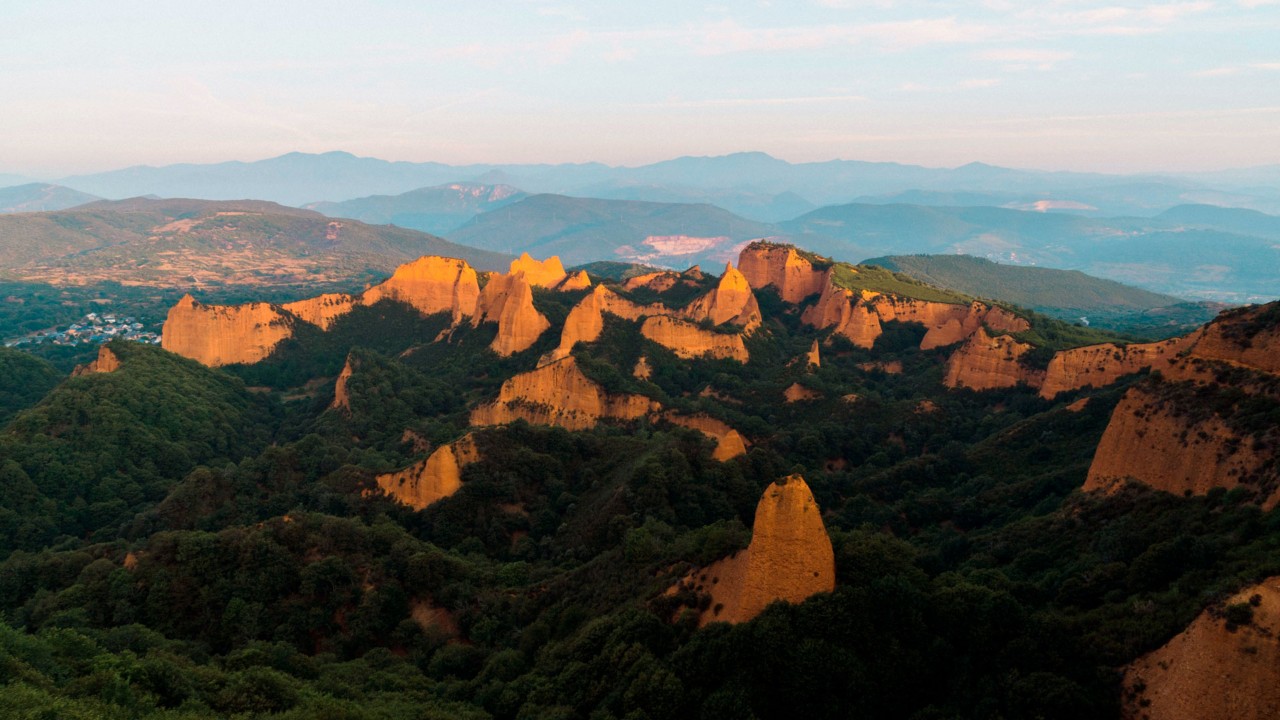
x=752 y=184
x=199 y=243
x=582 y=230
x=40 y=197
x=436 y=210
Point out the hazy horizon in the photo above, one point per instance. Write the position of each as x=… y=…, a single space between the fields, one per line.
x=1114 y=87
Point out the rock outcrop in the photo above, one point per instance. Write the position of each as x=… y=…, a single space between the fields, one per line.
x=576 y=281
x=813 y=359
x=689 y=341
x=324 y=310
x=985 y=363
x=218 y=335
x=106 y=362
x=547 y=274
x=431 y=284
x=730 y=302
x=845 y=314
x=1099 y=365
x=642 y=370
x=729 y=444
x=434 y=478
x=793 y=276
x=790 y=558
x=1148 y=439
x=1196 y=426
x=585 y=321
x=508 y=301
x=341 y=395
x=796 y=392
x=559 y=394
x=1213 y=670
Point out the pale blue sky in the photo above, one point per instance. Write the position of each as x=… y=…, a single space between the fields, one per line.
x=1067 y=84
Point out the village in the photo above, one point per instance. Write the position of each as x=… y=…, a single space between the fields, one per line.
x=92 y=328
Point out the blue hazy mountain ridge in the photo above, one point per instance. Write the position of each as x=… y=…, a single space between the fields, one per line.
x=41 y=197
x=437 y=210
x=1167 y=255
x=582 y=230
x=300 y=178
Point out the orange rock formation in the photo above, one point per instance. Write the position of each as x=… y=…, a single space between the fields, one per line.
x=1099 y=365
x=1151 y=442
x=642 y=370
x=559 y=394
x=508 y=301
x=797 y=393
x=1168 y=438
x=1210 y=672
x=222 y=335
x=435 y=478
x=842 y=311
x=577 y=281
x=781 y=266
x=730 y=302
x=322 y=311
x=687 y=340
x=813 y=358
x=790 y=558
x=341 y=397
x=431 y=284
x=729 y=444
x=106 y=362
x=586 y=320
x=547 y=273
x=984 y=363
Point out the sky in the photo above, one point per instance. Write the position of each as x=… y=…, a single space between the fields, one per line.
x=1060 y=85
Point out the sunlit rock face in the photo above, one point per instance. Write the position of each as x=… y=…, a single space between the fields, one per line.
x=780 y=266
x=547 y=273
x=1215 y=669
x=324 y=310
x=1175 y=432
x=431 y=284
x=559 y=394
x=985 y=363
x=432 y=479
x=106 y=362
x=689 y=341
x=508 y=301
x=790 y=558
x=341 y=393
x=729 y=444
x=1099 y=365
x=222 y=335
x=730 y=302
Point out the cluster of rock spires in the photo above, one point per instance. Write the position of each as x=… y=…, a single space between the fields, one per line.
x=1147 y=440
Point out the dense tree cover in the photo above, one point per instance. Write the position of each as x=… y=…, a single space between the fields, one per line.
x=177 y=546
x=24 y=379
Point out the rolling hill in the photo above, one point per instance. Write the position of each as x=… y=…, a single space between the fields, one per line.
x=582 y=230
x=435 y=210
x=1162 y=254
x=198 y=243
x=1066 y=294
x=40 y=197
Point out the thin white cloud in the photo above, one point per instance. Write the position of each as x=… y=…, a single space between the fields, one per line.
x=756 y=101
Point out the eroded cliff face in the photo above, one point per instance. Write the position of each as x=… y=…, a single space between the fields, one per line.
x=508 y=301
x=813 y=359
x=689 y=341
x=106 y=362
x=846 y=314
x=324 y=310
x=1150 y=441
x=218 y=335
x=729 y=444
x=577 y=281
x=546 y=273
x=435 y=478
x=431 y=284
x=1099 y=365
x=586 y=320
x=559 y=394
x=341 y=395
x=1195 y=427
x=794 y=277
x=790 y=558
x=730 y=302
x=1211 y=671
x=985 y=363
